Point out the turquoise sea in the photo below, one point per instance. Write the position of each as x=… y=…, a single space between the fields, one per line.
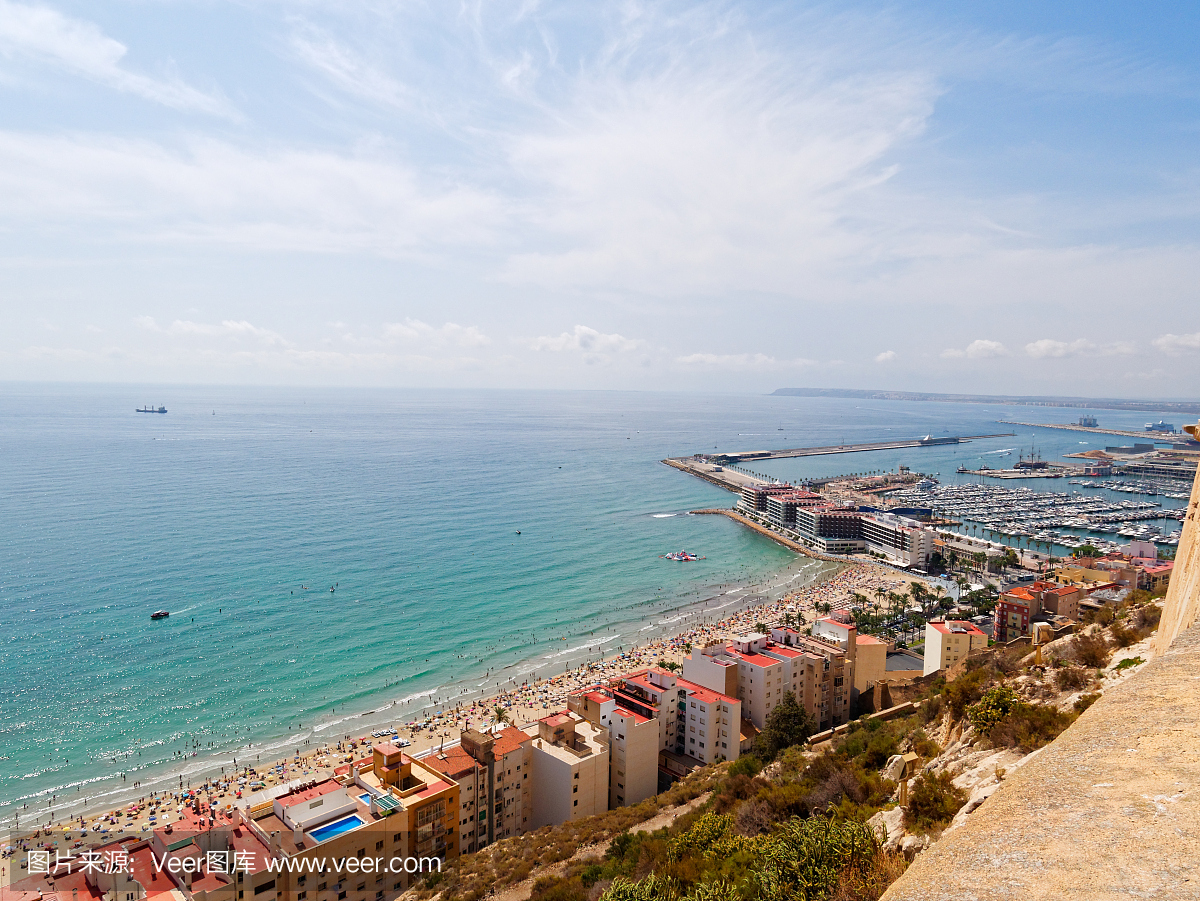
x=240 y=508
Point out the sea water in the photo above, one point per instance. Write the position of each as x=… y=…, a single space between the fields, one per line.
x=473 y=540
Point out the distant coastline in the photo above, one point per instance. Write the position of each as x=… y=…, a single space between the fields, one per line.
x=1087 y=403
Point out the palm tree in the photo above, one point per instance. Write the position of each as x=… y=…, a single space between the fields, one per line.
x=499 y=716
x=935 y=597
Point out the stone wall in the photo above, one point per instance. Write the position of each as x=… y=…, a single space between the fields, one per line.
x=1183 y=595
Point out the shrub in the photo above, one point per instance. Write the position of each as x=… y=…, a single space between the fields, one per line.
x=1128 y=662
x=868 y=883
x=931 y=709
x=994 y=706
x=1147 y=617
x=808 y=858
x=1090 y=650
x=787 y=725
x=1123 y=636
x=965 y=690
x=933 y=802
x=1083 y=702
x=591 y=874
x=746 y=765
x=554 y=888
x=924 y=745
x=1029 y=726
x=1071 y=678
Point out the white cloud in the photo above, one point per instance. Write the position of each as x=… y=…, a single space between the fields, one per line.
x=228 y=328
x=213 y=191
x=979 y=349
x=44 y=35
x=693 y=160
x=887 y=356
x=742 y=362
x=449 y=333
x=1175 y=344
x=347 y=68
x=586 y=340
x=1048 y=347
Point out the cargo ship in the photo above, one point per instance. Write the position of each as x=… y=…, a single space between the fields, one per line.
x=149 y=409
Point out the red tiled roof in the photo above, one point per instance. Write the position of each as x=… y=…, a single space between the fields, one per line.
x=867 y=639
x=598 y=696
x=386 y=748
x=452 y=762
x=509 y=739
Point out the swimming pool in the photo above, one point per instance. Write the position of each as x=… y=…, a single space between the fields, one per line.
x=336 y=828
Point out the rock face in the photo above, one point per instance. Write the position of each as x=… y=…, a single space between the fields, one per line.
x=1106 y=811
x=893 y=768
x=889 y=825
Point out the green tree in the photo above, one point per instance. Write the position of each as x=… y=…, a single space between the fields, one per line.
x=787 y=725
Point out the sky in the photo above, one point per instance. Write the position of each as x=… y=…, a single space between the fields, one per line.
x=935 y=196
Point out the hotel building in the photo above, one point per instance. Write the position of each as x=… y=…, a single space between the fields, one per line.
x=570 y=777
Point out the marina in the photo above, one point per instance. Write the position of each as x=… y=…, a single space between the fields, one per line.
x=1025 y=517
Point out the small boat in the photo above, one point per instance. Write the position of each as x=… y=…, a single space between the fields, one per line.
x=681 y=555
x=160 y=614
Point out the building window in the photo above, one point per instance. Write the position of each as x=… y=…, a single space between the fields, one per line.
x=575 y=790
x=576 y=804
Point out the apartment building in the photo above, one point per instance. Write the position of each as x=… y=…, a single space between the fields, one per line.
x=493 y=770
x=697 y=724
x=570 y=774
x=387 y=805
x=633 y=745
x=948 y=642
x=762 y=669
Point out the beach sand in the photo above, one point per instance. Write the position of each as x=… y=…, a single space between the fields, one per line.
x=522 y=706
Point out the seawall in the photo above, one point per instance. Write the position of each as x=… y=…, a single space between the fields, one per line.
x=774 y=536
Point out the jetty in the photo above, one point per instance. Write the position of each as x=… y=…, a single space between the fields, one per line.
x=1149 y=436
x=724 y=469
x=897 y=444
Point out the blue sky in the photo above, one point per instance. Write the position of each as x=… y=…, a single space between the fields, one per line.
x=933 y=196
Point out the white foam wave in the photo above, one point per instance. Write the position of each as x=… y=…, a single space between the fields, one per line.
x=582 y=647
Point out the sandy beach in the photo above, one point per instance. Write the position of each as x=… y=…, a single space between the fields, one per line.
x=522 y=706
